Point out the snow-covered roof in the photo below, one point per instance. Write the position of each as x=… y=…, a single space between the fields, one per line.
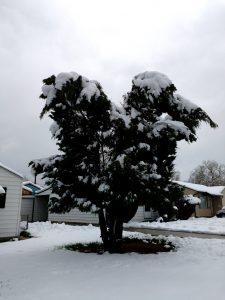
x=44 y=191
x=27 y=189
x=33 y=184
x=211 y=190
x=2 y=191
x=10 y=170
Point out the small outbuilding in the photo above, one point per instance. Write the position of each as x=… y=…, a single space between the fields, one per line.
x=10 y=202
x=32 y=208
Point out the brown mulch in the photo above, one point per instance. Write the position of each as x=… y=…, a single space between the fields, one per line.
x=127 y=245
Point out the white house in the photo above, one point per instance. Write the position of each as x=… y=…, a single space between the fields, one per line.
x=78 y=217
x=10 y=202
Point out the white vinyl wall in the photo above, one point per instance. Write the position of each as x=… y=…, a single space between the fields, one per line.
x=34 y=208
x=75 y=216
x=10 y=214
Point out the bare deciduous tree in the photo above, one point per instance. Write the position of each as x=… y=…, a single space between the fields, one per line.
x=209 y=173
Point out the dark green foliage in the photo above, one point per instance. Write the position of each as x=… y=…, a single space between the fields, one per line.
x=185 y=210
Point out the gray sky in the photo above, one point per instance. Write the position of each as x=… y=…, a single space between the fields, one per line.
x=110 y=41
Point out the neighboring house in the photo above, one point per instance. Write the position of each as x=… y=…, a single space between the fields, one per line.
x=212 y=197
x=10 y=202
x=32 y=208
x=76 y=216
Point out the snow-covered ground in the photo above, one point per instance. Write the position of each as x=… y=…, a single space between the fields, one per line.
x=207 y=225
x=37 y=269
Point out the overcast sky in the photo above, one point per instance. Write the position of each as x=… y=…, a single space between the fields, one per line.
x=109 y=41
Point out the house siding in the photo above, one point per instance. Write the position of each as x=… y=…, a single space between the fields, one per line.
x=27 y=208
x=223 y=199
x=214 y=204
x=76 y=216
x=41 y=209
x=10 y=215
x=139 y=216
x=38 y=204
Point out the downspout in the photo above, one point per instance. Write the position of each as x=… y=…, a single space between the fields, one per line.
x=32 y=216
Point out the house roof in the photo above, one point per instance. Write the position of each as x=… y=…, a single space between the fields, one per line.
x=30 y=184
x=27 y=188
x=10 y=170
x=44 y=191
x=211 y=190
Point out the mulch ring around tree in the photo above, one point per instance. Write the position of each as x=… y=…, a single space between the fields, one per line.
x=127 y=245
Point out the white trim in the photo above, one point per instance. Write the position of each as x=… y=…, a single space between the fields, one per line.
x=10 y=170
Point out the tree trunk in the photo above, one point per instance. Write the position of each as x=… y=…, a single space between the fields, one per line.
x=111 y=228
x=103 y=229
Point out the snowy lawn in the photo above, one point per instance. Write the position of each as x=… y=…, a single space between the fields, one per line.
x=37 y=269
x=207 y=225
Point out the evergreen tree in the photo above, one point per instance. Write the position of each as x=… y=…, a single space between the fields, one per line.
x=113 y=159
x=156 y=119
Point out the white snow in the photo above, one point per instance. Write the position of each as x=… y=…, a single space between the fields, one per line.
x=2 y=191
x=55 y=129
x=206 y=225
x=90 y=89
x=153 y=81
x=37 y=269
x=63 y=77
x=32 y=183
x=177 y=126
x=191 y=199
x=211 y=190
x=183 y=104
x=27 y=189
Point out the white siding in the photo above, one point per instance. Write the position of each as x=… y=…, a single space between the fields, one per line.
x=139 y=216
x=41 y=209
x=10 y=215
x=74 y=216
x=26 y=208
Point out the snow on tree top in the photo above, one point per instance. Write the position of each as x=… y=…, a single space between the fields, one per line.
x=182 y=103
x=63 y=77
x=90 y=87
x=154 y=81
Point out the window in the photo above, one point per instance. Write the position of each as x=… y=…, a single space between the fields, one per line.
x=205 y=203
x=3 y=198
